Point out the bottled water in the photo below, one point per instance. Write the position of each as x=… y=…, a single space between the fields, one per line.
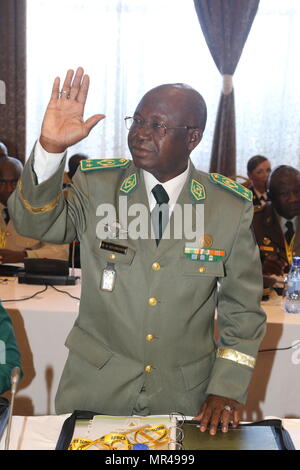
x=292 y=300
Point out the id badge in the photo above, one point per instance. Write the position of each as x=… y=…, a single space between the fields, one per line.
x=108 y=278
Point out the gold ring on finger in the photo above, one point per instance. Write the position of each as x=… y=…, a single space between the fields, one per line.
x=228 y=408
x=65 y=94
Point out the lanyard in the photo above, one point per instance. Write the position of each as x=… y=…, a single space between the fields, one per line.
x=289 y=250
x=2 y=239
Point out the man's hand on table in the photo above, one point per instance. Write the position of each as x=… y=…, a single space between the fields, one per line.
x=218 y=410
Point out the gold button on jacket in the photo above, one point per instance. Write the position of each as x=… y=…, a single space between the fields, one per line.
x=150 y=337
x=156 y=266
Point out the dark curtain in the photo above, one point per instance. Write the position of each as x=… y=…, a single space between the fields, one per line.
x=13 y=74
x=225 y=25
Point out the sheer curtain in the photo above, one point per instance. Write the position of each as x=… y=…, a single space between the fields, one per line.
x=267 y=86
x=130 y=46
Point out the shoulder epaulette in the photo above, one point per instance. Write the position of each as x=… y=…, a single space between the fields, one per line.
x=233 y=186
x=103 y=164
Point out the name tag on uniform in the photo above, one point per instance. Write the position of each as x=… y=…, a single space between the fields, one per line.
x=266 y=248
x=108 y=277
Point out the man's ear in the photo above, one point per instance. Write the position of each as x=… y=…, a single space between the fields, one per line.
x=194 y=137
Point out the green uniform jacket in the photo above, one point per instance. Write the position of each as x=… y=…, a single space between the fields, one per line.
x=9 y=353
x=270 y=237
x=155 y=330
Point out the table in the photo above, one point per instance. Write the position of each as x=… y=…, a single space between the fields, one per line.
x=42 y=432
x=42 y=325
x=275 y=385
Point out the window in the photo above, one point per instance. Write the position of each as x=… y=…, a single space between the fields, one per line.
x=130 y=46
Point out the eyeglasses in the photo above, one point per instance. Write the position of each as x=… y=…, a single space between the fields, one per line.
x=159 y=128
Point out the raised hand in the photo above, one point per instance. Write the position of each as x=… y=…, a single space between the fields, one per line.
x=63 y=123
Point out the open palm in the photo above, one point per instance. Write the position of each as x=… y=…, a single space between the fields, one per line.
x=63 y=123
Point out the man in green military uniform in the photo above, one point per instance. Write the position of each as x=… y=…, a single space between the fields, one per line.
x=143 y=342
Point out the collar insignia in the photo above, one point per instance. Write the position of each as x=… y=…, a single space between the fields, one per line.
x=129 y=184
x=197 y=190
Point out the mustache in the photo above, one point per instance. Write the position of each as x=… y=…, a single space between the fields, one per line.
x=143 y=148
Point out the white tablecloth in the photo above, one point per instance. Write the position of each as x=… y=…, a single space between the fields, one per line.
x=275 y=385
x=41 y=325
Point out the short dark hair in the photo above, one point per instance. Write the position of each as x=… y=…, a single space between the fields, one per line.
x=254 y=162
x=279 y=171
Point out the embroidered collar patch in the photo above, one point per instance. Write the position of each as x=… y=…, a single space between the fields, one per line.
x=197 y=190
x=129 y=184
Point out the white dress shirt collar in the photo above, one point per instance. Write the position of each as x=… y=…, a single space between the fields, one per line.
x=282 y=222
x=173 y=187
x=259 y=195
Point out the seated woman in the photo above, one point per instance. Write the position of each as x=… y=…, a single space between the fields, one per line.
x=259 y=169
x=9 y=352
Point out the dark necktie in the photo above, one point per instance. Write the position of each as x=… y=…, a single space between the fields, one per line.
x=6 y=215
x=160 y=213
x=289 y=232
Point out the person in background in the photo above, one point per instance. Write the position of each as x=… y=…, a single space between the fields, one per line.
x=143 y=342
x=3 y=150
x=277 y=224
x=14 y=248
x=73 y=164
x=258 y=170
x=9 y=352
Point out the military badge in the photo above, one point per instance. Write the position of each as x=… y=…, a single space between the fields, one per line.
x=103 y=163
x=233 y=186
x=203 y=254
x=129 y=184
x=266 y=248
x=206 y=241
x=197 y=190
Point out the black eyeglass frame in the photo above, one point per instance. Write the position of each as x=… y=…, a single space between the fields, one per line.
x=158 y=126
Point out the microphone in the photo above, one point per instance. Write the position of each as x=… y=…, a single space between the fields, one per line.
x=14 y=380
